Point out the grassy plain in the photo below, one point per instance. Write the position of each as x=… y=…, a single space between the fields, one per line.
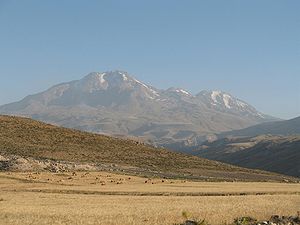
x=106 y=198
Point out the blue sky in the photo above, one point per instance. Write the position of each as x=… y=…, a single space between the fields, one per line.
x=248 y=48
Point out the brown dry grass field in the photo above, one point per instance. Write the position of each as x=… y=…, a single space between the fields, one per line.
x=106 y=198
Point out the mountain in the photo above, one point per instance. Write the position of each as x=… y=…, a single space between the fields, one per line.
x=279 y=154
x=224 y=102
x=116 y=103
x=286 y=127
x=28 y=138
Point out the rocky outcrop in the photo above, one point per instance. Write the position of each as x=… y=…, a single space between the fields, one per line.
x=274 y=220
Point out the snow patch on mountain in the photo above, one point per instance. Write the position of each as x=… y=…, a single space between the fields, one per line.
x=124 y=76
x=218 y=95
x=241 y=104
x=139 y=82
x=151 y=90
x=226 y=99
x=101 y=77
x=179 y=91
x=182 y=91
x=55 y=92
x=154 y=92
x=214 y=95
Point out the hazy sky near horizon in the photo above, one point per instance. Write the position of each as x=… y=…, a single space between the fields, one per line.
x=250 y=49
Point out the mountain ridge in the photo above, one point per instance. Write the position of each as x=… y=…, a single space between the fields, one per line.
x=285 y=127
x=274 y=153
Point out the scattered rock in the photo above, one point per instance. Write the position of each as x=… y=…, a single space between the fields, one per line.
x=293 y=220
x=274 y=220
x=190 y=222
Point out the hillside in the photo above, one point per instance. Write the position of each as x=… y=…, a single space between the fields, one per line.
x=29 y=138
x=285 y=127
x=115 y=103
x=279 y=154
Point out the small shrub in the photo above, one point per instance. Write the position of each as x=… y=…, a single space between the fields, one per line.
x=246 y=220
x=185 y=214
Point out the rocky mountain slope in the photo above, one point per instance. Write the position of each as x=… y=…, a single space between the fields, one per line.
x=28 y=140
x=279 y=154
x=116 y=103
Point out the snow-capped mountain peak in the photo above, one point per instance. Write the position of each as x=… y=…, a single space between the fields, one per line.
x=114 y=102
x=117 y=79
x=217 y=97
x=118 y=87
x=226 y=102
x=105 y=76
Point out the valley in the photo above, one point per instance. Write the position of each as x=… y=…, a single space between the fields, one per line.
x=272 y=146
